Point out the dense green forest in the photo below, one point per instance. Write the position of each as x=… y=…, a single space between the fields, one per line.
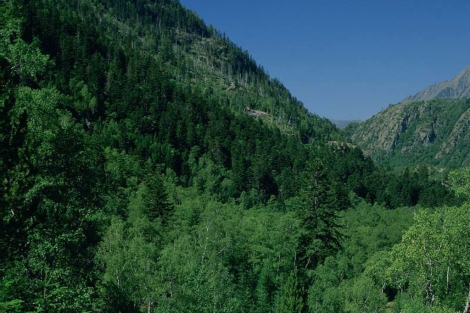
x=148 y=164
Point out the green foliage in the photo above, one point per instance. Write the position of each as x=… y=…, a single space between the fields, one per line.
x=134 y=178
x=460 y=182
x=128 y=254
x=318 y=212
x=291 y=298
x=362 y=295
x=354 y=279
x=17 y=56
x=14 y=305
x=430 y=263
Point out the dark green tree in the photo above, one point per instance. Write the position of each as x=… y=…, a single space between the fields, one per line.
x=319 y=207
x=156 y=200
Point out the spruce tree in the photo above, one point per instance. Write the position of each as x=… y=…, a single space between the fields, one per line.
x=318 y=213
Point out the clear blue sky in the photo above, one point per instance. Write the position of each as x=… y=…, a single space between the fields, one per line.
x=348 y=59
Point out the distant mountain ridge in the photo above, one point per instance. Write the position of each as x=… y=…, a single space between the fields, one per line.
x=435 y=132
x=431 y=127
x=343 y=123
x=456 y=88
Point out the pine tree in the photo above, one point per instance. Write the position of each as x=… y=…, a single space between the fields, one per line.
x=291 y=300
x=156 y=200
x=320 y=203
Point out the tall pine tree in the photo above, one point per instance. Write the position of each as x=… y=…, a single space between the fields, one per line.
x=320 y=203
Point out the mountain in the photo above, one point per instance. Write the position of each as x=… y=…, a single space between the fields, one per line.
x=343 y=123
x=456 y=88
x=433 y=132
x=148 y=164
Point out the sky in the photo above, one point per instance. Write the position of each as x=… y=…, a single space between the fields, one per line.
x=347 y=59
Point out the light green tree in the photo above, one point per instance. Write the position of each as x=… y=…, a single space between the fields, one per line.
x=362 y=295
x=19 y=57
x=431 y=264
x=460 y=182
x=291 y=298
x=128 y=255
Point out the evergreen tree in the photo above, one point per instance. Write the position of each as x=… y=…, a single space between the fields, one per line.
x=291 y=299
x=156 y=200
x=318 y=212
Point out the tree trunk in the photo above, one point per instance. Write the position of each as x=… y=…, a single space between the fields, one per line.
x=467 y=305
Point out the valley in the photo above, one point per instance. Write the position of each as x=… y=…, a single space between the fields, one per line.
x=149 y=164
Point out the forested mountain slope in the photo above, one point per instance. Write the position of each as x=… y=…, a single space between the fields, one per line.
x=432 y=132
x=104 y=36
x=456 y=88
x=147 y=164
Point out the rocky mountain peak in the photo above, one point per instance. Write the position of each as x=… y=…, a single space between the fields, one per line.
x=456 y=88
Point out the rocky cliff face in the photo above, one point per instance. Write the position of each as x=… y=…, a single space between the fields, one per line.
x=412 y=132
x=456 y=88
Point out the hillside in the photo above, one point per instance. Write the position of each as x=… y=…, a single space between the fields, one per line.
x=187 y=51
x=432 y=132
x=343 y=123
x=148 y=164
x=456 y=88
